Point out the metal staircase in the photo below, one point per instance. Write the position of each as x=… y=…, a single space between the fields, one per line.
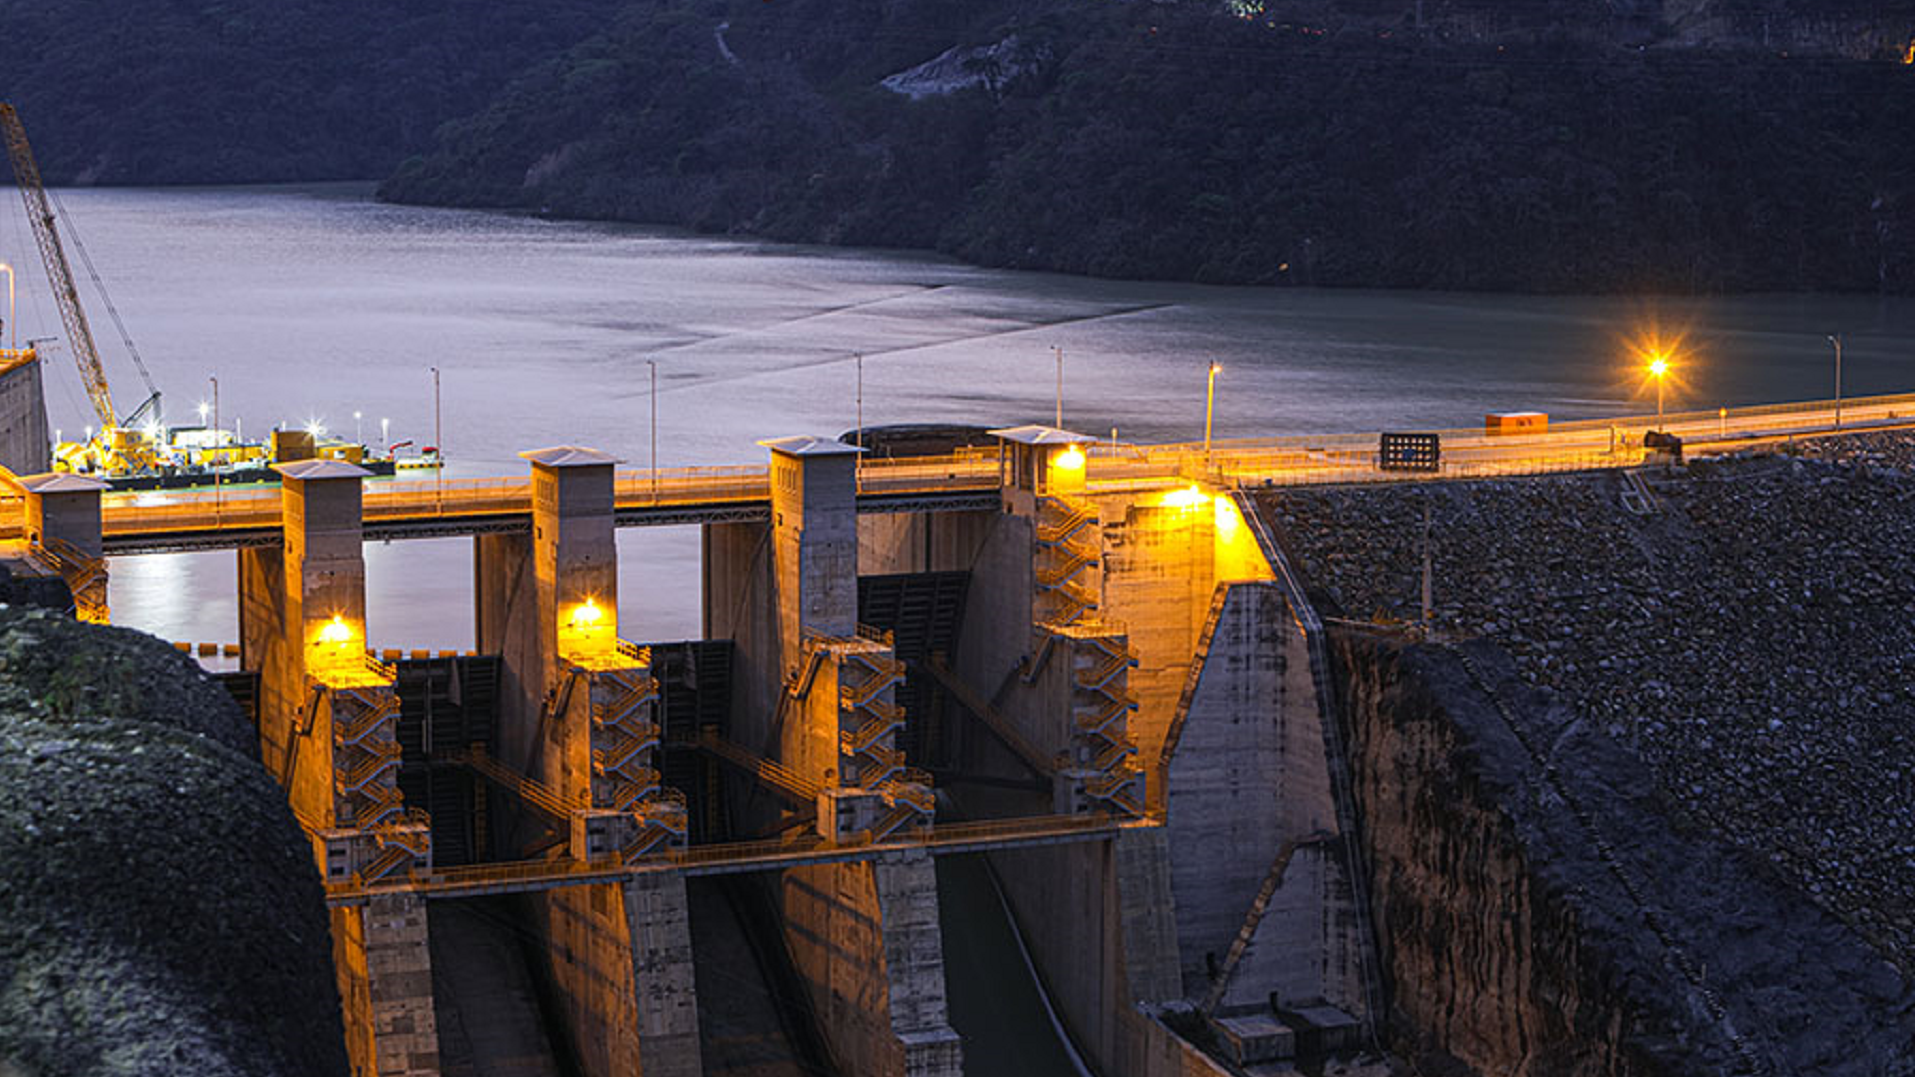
x=1100 y=708
x=624 y=747
x=84 y=576
x=1067 y=545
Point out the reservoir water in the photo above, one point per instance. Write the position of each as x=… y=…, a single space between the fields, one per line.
x=311 y=304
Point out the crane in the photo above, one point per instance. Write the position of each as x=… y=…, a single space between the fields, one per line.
x=60 y=276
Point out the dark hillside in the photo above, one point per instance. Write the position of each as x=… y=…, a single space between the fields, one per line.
x=250 y=91
x=1150 y=140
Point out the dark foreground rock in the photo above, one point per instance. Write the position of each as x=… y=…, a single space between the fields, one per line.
x=160 y=912
x=1544 y=911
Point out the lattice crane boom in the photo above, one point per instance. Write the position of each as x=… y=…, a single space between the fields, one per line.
x=59 y=275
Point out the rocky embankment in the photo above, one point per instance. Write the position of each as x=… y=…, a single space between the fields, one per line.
x=1745 y=635
x=1541 y=914
x=160 y=912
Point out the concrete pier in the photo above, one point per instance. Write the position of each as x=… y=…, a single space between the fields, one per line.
x=23 y=413
x=816 y=694
x=1129 y=716
x=577 y=720
x=327 y=713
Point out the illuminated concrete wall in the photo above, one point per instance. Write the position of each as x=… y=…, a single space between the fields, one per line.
x=1247 y=772
x=1164 y=555
x=290 y=597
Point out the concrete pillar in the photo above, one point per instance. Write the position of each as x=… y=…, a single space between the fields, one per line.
x=384 y=970
x=620 y=959
x=63 y=523
x=864 y=938
x=328 y=733
x=578 y=718
x=303 y=625
x=24 y=446
x=658 y=916
x=814 y=519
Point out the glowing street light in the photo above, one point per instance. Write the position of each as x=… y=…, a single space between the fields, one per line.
x=1210 y=406
x=1658 y=369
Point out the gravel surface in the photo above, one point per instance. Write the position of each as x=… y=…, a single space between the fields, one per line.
x=1750 y=637
x=160 y=911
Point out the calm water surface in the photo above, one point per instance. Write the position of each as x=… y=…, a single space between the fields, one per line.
x=316 y=303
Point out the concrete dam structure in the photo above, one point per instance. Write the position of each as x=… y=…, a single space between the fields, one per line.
x=1233 y=834
x=1101 y=700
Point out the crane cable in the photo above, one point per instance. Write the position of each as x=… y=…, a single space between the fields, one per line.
x=106 y=298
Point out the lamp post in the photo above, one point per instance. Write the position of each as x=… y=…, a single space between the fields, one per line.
x=653 y=365
x=1658 y=369
x=1835 y=339
x=358 y=428
x=385 y=436
x=216 y=440
x=857 y=437
x=1059 y=352
x=13 y=331
x=1210 y=406
x=438 y=448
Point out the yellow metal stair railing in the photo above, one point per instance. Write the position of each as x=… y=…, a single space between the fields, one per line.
x=381 y=757
x=639 y=785
x=1072 y=516
x=85 y=576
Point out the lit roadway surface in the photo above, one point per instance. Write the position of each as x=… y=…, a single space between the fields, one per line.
x=201 y=518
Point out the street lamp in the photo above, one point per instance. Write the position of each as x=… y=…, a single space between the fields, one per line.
x=653 y=364
x=1059 y=352
x=1835 y=339
x=358 y=429
x=13 y=331
x=1210 y=406
x=1658 y=369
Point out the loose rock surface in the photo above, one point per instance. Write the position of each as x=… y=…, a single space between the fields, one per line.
x=1750 y=639
x=160 y=911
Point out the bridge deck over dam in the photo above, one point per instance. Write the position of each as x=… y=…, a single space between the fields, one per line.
x=206 y=519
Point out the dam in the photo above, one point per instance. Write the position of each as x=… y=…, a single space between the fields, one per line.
x=1095 y=667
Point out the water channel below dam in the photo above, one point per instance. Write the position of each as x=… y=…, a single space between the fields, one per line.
x=312 y=304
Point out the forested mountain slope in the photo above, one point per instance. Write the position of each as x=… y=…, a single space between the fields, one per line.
x=250 y=91
x=1533 y=145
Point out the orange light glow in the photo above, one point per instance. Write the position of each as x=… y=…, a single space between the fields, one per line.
x=1188 y=498
x=336 y=632
x=586 y=614
x=1071 y=459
